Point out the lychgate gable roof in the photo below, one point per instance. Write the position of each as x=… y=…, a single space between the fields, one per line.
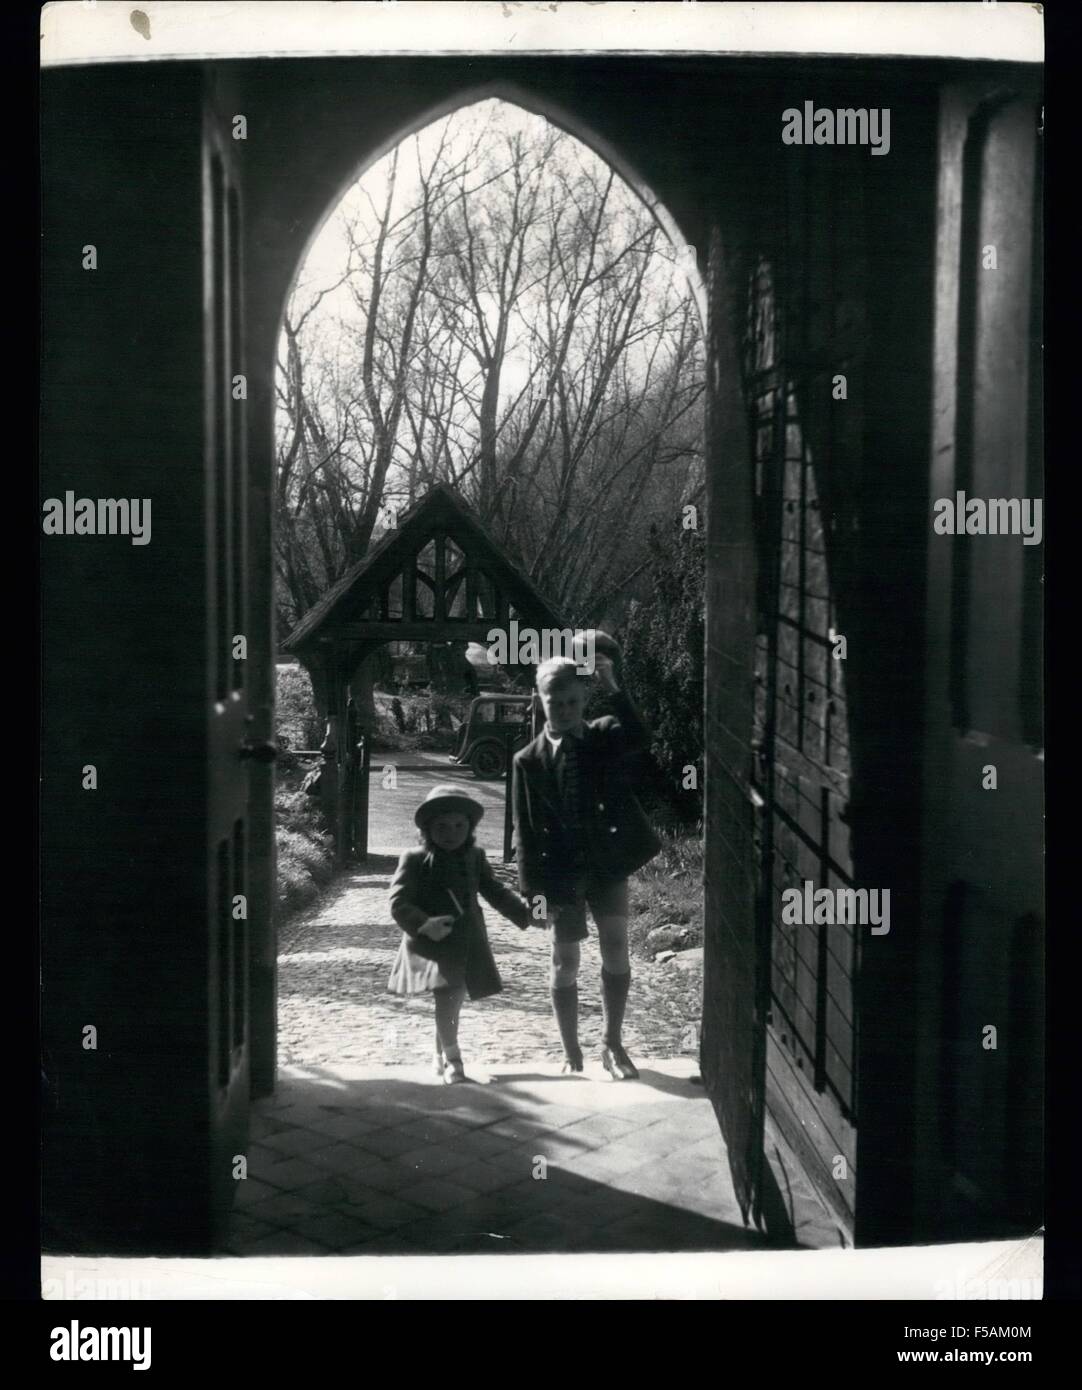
x=439 y=576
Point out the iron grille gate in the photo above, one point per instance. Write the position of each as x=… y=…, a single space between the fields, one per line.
x=800 y=735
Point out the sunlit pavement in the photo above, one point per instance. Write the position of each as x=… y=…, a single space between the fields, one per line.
x=390 y=1160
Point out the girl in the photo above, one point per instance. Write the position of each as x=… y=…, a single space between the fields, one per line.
x=445 y=946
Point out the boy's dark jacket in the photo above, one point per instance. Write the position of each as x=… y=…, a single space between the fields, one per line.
x=419 y=891
x=618 y=837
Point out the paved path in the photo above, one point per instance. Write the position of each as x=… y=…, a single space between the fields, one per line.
x=393 y=799
x=334 y=1007
x=370 y=1161
x=362 y=1151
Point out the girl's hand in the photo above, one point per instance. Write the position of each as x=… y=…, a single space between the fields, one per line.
x=436 y=928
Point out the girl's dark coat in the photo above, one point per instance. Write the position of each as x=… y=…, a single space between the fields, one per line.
x=419 y=891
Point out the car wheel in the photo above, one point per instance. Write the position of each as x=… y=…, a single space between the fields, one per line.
x=487 y=761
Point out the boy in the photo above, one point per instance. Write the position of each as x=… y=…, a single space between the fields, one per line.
x=579 y=833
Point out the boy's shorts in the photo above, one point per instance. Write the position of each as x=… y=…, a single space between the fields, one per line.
x=604 y=899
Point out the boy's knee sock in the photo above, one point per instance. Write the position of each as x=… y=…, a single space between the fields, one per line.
x=565 y=1007
x=614 y=990
x=448 y=1005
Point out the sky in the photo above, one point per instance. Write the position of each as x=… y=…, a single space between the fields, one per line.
x=327 y=255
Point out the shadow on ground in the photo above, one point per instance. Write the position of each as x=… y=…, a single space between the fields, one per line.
x=532 y=1162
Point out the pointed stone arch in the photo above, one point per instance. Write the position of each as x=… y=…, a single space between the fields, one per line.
x=572 y=124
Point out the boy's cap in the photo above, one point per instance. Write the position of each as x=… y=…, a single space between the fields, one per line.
x=448 y=797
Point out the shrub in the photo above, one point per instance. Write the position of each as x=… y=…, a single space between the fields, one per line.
x=296 y=720
x=305 y=857
x=668 y=891
x=662 y=641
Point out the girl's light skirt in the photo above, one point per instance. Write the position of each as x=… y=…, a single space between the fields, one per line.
x=412 y=974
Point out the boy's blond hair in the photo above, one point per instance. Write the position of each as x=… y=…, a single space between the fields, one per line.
x=557 y=671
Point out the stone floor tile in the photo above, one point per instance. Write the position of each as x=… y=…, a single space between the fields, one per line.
x=335 y=1228
x=480 y=1176
x=436 y=1129
x=594 y=1209
x=559 y=1145
x=300 y=1115
x=518 y=1128
x=336 y=1190
x=437 y=1194
x=710 y=1146
x=599 y=1129
x=659 y=1144
x=395 y=1242
x=386 y=1143
x=390 y=1116
x=605 y=1163
x=251 y=1190
x=263 y=1124
x=699 y=1199
x=490 y=1211
x=518 y=1162
x=549 y=1115
x=294 y=1143
x=548 y=1230
x=291 y=1173
x=342 y=1159
x=260 y=1156
x=532 y=1196
x=284 y=1242
x=382 y=1177
x=480 y=1143
x=285 y=1208
x=432 y=1160
x=568 y=1182
x=343 y=1127
x=244 y=1231
x=385 y=1212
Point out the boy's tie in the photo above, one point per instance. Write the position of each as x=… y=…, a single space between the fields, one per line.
x=567 y=775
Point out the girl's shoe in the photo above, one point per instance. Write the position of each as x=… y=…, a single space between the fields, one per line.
x=573 y=1063
x=453 y=1071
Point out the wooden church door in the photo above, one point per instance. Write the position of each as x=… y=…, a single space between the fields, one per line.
x=230 y=749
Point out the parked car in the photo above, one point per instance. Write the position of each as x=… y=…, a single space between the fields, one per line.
x=482 y=739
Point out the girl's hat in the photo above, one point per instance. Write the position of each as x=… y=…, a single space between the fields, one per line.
x=448 y=797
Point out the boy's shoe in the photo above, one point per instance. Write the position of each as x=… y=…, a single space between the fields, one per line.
x=453 y=1071
x=618 y=1064
x=572 y=1063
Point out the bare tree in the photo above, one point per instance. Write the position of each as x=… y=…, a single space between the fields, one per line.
x=506 y=319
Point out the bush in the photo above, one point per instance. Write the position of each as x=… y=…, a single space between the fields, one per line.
x=305 y=855
x=663 y=664
x=419 y=719
x=297 y=724
x=668 y=891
